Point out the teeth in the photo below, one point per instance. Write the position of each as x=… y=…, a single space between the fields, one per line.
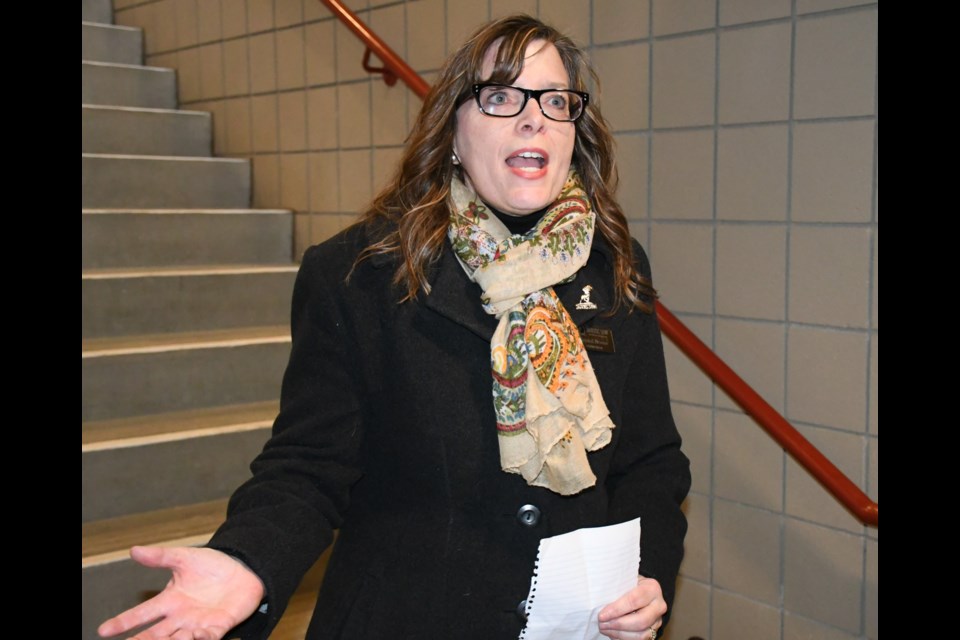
x=530 y=154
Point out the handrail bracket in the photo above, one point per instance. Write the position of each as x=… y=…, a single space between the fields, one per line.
x=388 y=76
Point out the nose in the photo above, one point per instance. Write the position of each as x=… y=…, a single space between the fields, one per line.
x=531 y=119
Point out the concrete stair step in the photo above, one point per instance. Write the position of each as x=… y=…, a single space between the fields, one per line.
x=97 y=11
x=128 y=85
x=148 y=132
x=184 y=299
x=144 y=463
x=154 y=237
x=111 y=582
x=110 y=539
x=98 y=435
x=142 y=375
x=160 y=182
x=111 y=43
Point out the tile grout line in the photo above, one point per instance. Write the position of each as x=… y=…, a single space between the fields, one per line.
x=788 y=219
x=714 y=427
x=874 y=232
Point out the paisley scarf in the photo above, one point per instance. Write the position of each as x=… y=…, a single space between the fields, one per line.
x=548 y=404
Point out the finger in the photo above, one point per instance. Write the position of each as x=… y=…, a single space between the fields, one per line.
x=157 y=557
x=634 y=599
x=644 y=594
x=172 y=630
x=206 y=633
x=162 y=630
x=139 y=615
x=642 y=620
x=616 y=634
x=212 y=632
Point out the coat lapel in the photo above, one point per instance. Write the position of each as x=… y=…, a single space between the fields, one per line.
x=457 y=298
x=591 y=291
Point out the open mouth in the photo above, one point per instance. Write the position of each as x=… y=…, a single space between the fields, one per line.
x=528 y=160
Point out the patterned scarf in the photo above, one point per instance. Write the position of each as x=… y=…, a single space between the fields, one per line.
x=548 y=404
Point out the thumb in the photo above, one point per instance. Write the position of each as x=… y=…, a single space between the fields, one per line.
x=156 y=557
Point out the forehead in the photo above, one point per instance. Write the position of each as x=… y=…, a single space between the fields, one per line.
x=541 y=62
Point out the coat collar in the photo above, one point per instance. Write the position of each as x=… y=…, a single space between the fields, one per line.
x=454 y=296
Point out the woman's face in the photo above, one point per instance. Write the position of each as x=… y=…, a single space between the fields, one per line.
x=518 y=165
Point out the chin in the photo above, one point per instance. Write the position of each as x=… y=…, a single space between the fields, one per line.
x=529 y=204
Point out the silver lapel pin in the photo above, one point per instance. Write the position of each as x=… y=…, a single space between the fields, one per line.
x=585 y=302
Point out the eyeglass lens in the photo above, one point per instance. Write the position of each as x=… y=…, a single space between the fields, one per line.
x=506 y=101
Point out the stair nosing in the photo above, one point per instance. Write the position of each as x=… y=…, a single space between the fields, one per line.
x=124 y=65
x=183 y=271
x=109 y=107
x=223 y=344
x=129 y=156
x=173 y=436
x=156 y=343
x=179 y=211
x=120 y=555
x=118 y=27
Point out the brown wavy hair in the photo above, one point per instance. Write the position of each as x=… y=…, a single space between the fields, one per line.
x=414 y=203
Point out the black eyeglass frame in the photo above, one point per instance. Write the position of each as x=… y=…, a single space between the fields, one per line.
x=527 y=94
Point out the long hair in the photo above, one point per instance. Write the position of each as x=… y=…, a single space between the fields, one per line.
x=415 y=202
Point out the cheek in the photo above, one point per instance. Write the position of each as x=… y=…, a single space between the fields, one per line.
x=571 y=143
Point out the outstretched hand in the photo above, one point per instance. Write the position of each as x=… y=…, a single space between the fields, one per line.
x=209 y=593
x=636 y=615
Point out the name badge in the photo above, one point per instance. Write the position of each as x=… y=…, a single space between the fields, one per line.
x=596 y=339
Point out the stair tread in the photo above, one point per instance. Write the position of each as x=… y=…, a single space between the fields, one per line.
x=101 y=431
x=177 y=523
x=100 y=346
x=109 y=273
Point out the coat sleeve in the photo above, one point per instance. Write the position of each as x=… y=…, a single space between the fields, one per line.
x=280 y=520
x=649 y=475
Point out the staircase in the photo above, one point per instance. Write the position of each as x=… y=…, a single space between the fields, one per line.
x=185 y=308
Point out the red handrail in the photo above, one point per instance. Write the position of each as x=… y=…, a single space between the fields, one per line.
x=809 y=457
x=842 y=488
x=393 y=63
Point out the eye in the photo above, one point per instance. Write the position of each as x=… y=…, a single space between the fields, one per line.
x=557 y=101
x=497 y=97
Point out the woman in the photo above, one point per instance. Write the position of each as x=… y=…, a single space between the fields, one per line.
x=496 y=258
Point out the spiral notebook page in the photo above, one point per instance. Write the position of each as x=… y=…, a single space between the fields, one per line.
x=576 y=575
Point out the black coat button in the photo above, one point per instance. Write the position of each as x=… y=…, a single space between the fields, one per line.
x=522 y=610
x=528 y=515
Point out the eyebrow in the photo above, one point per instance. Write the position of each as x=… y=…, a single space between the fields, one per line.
x=560 y=86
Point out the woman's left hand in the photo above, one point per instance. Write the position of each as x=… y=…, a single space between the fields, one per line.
x=636 y=615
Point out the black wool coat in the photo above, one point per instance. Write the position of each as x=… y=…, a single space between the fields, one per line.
x=387 y=432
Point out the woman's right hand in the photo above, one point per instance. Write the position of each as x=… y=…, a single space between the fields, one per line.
x=209 y=594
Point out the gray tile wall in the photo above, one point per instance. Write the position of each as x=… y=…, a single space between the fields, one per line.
x=747 y=136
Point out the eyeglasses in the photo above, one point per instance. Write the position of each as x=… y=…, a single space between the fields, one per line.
x=502 y=101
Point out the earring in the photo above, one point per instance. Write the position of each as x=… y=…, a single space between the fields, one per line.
x=454 y=158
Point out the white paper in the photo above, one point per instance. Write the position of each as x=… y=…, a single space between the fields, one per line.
x=577 y=574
